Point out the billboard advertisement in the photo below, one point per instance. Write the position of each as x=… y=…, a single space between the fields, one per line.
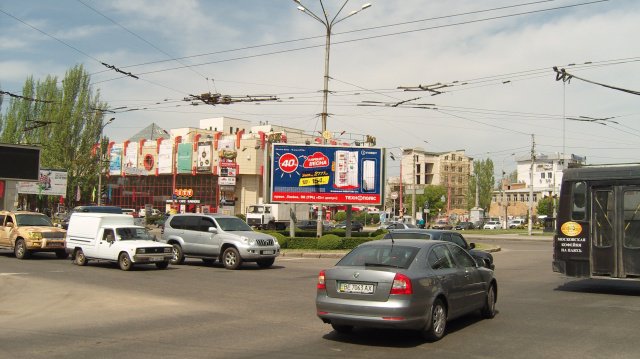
x=51 y=183
x=326 y=174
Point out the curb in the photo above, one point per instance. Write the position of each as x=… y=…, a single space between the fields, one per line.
x=312 y=255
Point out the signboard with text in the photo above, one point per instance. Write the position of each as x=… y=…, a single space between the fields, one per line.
x=326 y=174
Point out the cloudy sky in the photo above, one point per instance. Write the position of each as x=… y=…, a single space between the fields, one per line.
x=494 y=60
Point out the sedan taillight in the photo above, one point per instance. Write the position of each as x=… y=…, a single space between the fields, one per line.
x=401 y=285
x=321 y=284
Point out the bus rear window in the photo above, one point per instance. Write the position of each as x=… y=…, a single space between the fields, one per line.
x=578 y=201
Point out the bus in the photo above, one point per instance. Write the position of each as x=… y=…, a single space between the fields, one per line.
x=598 y=224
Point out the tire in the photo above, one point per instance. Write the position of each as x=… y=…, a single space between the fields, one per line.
x=208 y=261
x=342 y=329
x=265 y=263
x=178 y=255
x=434 y=331
x=162 y=265
x=125 y=262
x=489 y=309
x=80 y=258
x=20 y=250
x=231 y=258
x=62 y=254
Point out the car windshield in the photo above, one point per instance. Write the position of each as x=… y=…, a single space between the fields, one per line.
x=380 y=256
x=232 y=224
x=33 y=220
x=133 y=233
x=255 y=209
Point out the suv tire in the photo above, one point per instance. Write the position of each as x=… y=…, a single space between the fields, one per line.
x=178 y=254
x=21 y=250
x=231 y=258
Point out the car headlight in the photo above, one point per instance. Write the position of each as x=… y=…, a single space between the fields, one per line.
x=35 y=235
x=141 y=250
x=248 y=241
x=275 y=241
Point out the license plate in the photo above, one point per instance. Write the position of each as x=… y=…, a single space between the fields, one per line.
x=155 y=259
x=344 y=287
x=267 y=252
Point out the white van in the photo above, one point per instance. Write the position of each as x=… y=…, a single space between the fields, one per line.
x=113 y=237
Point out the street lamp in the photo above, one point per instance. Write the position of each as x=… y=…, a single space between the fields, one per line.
x=328 y=24
x=100 y=160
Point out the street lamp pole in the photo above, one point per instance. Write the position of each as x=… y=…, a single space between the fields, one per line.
x=101 y=159
x=328 y=25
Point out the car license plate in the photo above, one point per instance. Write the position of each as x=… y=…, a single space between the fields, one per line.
x=155 y=259
x=345 y=287
x=267 y=252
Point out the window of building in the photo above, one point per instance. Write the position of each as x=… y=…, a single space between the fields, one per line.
x=417 y=168
x=460 y=169
x=417 y=179
x=542 y=175
x=446 y=168
x=549 y=174
x=446 y=158
x=453 y=157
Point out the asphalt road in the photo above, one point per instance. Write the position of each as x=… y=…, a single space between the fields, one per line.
x=50 y=308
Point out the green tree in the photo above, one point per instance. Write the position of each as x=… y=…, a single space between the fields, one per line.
x=434 y=194
x=64 y=118
x=484 y=178
x=545 y=206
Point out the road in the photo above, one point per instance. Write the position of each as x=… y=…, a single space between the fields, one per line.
x=50 y=308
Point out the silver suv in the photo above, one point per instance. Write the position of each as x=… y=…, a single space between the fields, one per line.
x=220 y=237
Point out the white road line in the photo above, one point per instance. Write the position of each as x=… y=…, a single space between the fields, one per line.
x=7 y=274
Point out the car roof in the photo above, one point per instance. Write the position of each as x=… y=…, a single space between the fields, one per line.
x=214 y=215
x=418 y=243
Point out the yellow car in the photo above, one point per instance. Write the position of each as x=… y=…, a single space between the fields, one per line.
x=29 y=232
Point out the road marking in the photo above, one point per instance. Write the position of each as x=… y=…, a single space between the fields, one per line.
x=7 y=274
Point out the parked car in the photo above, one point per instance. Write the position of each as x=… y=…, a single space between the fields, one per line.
x=28 y=232
x=492 y=225
x=312 y=225
x=463 y=226
x=515 y=223
x=482 y=257
x=442 y=224
x=398 y=225
x=212 y=236
x=404 y=284
x=355 y=226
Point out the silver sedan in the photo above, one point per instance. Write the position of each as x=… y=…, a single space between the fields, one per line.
x=404 y=284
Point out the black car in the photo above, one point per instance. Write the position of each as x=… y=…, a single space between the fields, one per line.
x=311 y=225
x=443 y=235
x=464 y=225
x=355 y=226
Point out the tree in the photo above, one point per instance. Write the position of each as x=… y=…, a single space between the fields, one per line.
x=545 y=206
x=434 y=195
x=484 y=179
x=65 y=119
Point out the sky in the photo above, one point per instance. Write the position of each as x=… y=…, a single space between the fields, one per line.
x=493 y=61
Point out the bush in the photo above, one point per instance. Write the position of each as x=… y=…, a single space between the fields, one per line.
x=377 y=232
x=283 y=240
x=351 y=243
x=303 y=243
x=242 y=217
x=329 y=241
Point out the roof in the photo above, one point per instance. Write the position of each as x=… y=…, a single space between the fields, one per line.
x=151 y=132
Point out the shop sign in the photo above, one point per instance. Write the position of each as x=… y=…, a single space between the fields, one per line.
x=183 y=192
x=229 y=181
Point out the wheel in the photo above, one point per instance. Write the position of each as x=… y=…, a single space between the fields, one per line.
x=265 y=263
x=124 y=261
x=162 y=265
x=231 y=258
x=208 y=261
x=178 y=255
x=489 y=309
x=62 y=254
x=343 y=329
x=21 y=250
x=435 y=330
x=80 y=260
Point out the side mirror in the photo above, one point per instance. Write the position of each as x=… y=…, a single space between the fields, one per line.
x=110 y=238
x=472 y=245
x=213 y=230
x=10 y=225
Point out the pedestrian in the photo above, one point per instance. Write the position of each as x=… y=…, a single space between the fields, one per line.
x=421 y=223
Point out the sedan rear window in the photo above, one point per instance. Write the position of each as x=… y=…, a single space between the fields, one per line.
x=380 y=256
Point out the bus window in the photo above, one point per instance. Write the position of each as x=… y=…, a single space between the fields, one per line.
x=632 y=219
x=579 y=200
x=603 y=212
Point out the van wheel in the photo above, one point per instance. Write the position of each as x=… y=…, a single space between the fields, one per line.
x=80 y=260
x=124 y=261
x=177 y=254
x=21 y=250
x=265 y=263
x=231 y=258
x=435 y=330
x=162 y=265
x=62 y=254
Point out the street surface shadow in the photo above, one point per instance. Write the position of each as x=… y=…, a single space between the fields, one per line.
x=395 y=338
x=602 y=286
x=193 y=262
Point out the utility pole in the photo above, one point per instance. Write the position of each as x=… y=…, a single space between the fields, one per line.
x=533 y=159
x=413 y=196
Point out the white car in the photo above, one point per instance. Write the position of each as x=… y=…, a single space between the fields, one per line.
x=492 y=225
x=515 y=223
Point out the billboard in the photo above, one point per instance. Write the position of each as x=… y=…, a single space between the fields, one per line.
x=326 y=174
x=24 y=162
x=51 y=183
